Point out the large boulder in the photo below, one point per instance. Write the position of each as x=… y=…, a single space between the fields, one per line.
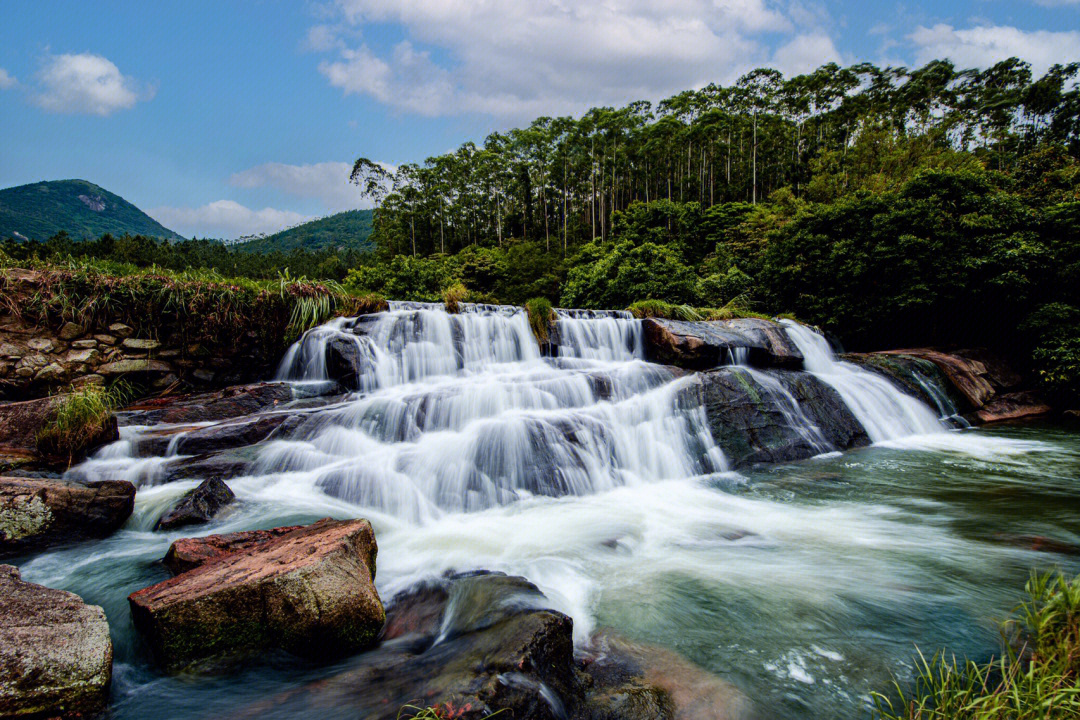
x=775 y=416
x=700 y=345
x=55 y=651
x=36 y=512
x=197 y=506
x=21 y=422
x=208 y=407
x=203 y=439
x=488 y=644
x=310 y=592
x=189 y=553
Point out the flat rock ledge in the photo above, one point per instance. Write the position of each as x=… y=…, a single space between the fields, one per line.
x=310 y=592
x=189 y=553
x=699 y=345
x=37 y=512
x=55 y=652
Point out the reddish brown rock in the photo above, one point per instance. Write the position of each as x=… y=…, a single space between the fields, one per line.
x=20 y=423
x=37 y=512
x=204 y=407
x=967 y=376
x=55 y=651
x=1014 y=406
x=309 y=592
x=189 y=553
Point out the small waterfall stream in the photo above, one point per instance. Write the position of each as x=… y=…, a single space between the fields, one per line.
x=885 y=411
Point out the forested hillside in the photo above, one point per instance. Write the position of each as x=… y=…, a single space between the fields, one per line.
x=345 y=230
x=80 y=208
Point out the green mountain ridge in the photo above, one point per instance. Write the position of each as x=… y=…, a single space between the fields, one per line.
x=80 y=208
x=345 y=230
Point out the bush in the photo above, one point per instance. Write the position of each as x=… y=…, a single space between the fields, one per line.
x=453 y=296
x=1036 y=678
x=79 y=420
x=541 y=315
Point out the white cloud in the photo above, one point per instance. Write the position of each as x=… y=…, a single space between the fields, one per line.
x=225 y=219
x=86 y=84
x=522 y=58
x=6 y=81
x=804 y=53
x=328 y=182
x=983 y=45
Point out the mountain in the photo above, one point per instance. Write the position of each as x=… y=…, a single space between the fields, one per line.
x=349 y=229
x=82 y=209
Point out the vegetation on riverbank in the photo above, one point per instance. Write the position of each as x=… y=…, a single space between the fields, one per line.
x=79 y=419
x=1037 y=676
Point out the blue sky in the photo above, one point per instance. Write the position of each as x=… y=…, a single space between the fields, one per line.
x=226 y=118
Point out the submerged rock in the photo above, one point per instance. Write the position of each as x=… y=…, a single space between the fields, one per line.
x=55 y=651
x=310 y=592
x=778 y=416
x=707 y=344
x=36 y=512
x=197 y=506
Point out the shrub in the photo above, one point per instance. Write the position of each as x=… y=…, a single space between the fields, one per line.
x=1037 y=676
x=541 y=315
x=665 y=310
x=453 y=296
x=79 y=420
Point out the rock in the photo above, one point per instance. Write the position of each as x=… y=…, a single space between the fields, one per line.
x=223 y=465
x=38 y=512
x=134 y=365
x=344 y=361
x=310 y=592
x=755 y=423
x=105 y=339
x=203 y=375
x=85 y=344
x=91 y=379
x=70 y=331
x=189 y=553
x=53 y=372
x=965 y=375
x=20 y=423
x=86 y=355
x=204 y=407
x=121 y=330
x=140 y=344
x=55 y=655
x=10 y=351
x=642 y=681
x=198 y=506
x=1013 y=406
x=198 y=440
x=708 y=344
x=41 y=344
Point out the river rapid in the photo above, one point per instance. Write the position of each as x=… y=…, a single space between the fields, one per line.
x=806 y=585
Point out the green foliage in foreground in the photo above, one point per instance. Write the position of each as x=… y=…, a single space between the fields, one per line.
x=1037 y=677
x=78 y=420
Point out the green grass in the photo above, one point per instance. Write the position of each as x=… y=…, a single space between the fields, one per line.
x=1037 y=677
x=78 y=420
x=736 y=308
x=453 y=296
x=541 y=315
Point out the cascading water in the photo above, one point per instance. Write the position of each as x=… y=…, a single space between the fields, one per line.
x=885 y=411
x=599 y=335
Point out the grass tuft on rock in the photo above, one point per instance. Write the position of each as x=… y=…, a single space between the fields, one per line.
x=79 y=419
x=453 y=296
x=1036 y=677
x=541 y=315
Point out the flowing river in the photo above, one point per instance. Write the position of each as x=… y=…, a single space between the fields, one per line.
x=806 y=585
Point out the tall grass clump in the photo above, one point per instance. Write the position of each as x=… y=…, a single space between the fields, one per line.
x=664 y=310
x=541 y=315
x=453 y=296
x=79 y=420
x=1037 y=676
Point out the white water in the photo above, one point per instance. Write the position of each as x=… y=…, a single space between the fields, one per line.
x=883 y=410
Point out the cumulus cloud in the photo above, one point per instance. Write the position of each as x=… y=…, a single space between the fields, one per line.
x=225 y=219
x=521 y=58
x=6 y=80
x=86 y=84
x=327 y=182
x=984 y=45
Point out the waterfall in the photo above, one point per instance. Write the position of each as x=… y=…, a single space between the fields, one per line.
x=885 y=411
x=781 y=398
x=599 y=335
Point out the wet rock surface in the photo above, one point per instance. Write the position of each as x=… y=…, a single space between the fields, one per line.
x=37 y=512
x=700 y=345
x=473 y=645
x=203 y=439
x=309 y=592
x=750 y=425
x=224 y=404
x=55 y=651
x=198 y=506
